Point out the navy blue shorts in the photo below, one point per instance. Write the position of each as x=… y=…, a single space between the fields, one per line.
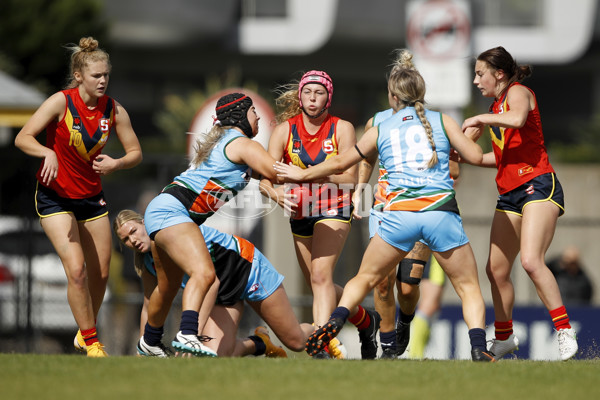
x=48 y=203
x=545 y=187
x=304 y=227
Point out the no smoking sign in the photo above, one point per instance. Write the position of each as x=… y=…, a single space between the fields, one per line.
x=439 y=28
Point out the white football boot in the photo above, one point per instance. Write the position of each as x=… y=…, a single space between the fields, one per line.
x=192 y=344
x=567 y=343
x=500 y=348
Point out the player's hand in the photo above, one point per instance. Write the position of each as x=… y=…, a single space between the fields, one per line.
x=104 y=165
x=50 y=168
x=290 y=173
x=289 y=203
x=474 y=123
x=356 y=201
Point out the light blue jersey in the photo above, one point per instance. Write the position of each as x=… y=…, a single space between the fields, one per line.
x=382 y=116
x=207 y=187
x=405 y=151
x=244 y=273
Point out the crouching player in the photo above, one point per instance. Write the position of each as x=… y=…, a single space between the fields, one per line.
x=243 y=273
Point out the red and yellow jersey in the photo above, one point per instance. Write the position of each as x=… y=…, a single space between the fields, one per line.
x=520 y=153
x=77 y=140
x=305 y=150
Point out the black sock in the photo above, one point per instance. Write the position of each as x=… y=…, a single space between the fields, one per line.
x=260 y=347
x=477 y=336
x=189 y=322
x=341 y=313
x=388 y=340
x=152 y=336
x=407 y=319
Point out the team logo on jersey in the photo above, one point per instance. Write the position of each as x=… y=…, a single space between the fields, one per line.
x=296 y=146
x=104 y=125
x=76 y=124
x=407 y=118
x=530 y=190
x=525 y=170
x=332 y=212
x=253 y=288
x=102 y=202
x=327 y=146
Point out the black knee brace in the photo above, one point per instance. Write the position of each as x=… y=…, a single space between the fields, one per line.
x=410 y=271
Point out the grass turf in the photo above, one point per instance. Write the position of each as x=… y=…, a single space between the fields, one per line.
x=73 y=377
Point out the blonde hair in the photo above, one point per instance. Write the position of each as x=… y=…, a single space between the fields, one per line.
x=287 y=99
x=123 y=217
x=205 y=144
x=82 y=55
x=408 y=86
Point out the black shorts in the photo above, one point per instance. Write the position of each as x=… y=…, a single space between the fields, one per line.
x=304 y=227
x=48 y=203
x=545 y=187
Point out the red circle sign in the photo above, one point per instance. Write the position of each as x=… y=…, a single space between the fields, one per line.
x=439 y=29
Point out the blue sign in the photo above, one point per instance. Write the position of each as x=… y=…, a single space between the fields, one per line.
x=532 y=325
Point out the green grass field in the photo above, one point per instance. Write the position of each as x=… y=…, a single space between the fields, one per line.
x=74 y=377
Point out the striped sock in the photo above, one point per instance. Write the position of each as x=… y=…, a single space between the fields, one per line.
x=503 y=329
x=560 y=318
x=90 y=336
x=361 y=319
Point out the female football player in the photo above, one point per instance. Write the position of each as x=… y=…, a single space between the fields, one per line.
x=531 y=197
x=243 y=273
x=308 y=136
x=414 y=148
x=69 y=197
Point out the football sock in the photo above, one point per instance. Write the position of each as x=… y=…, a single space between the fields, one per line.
x=406 y=318
x=560 y=318
x=388 y=340
x=90 y=336
x=477 y=336
x=503 y=329
x=152 y=335
x=340 y=312
x=361 y=319
x=189 y=322
x=260 y=347
x=419 y=335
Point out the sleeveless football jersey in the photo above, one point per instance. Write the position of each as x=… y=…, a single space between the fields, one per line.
x=77 y=140
x=305 y=150
x=405 y=152
x=232 y=257
x=204 y=189
x=382 y=181
x=520 y=153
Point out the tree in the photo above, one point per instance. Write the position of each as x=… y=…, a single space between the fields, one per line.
x=34 y=31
